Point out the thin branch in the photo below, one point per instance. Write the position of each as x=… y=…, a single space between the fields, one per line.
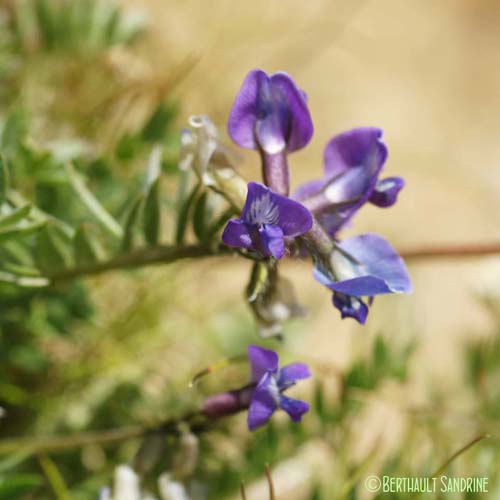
x=162 y=254
x=166 y=254
x=455 y=455
x=457 y=251
x=61 y=443
x=272 y=494
x=243 y=492
x=51 y=444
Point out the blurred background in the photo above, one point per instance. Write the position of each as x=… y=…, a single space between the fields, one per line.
x=100 y=83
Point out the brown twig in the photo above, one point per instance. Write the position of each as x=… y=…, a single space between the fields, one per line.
x=163 y=254
x=455 y=455
x=166 y=254
x=243 y=492
x=454 y=251
x=52 y=444
x=272 y=495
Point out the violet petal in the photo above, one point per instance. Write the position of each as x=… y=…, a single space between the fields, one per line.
x=261 y=361
x=263 y=403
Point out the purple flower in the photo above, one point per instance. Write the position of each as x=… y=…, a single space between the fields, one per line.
x=353 y=161
x=362 y=266
x=266 y=220
x=270 y=113
x=271 y=383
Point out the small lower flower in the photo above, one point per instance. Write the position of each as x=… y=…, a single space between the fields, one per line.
x=266 y=220
x=264 y=395
x=271 y=383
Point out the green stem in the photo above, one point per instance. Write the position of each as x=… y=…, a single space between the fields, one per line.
x=163 y=254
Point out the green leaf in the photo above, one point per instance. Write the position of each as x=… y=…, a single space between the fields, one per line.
x=23 y=19
x=157 y=126
x=86 y=249
x=14 y=131
x=53 y=250
x=128 y=147
x=153 y=168
x=92 y=204
x=112 y=27
x=381 y=355
x=40 y=216
x=12 y=461
x=15 y=216
x=46 y=18
x=151 y=214
x=15 y=485
x=319 y=400
x=183 y=215
x=20 y=231
x=220 y=222
x=131 y=222
x=18 y=251
x=23 y=281
x=152 y=209
x=21 y=270
x=4 y=180
x=54 y=477
x=200 y=217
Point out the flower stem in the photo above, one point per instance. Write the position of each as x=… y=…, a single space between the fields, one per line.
x=276 y=173
x=163 y=254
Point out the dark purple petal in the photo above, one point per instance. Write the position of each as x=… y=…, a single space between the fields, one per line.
x=272 y=242
x=376 y=268
x=294 y=218
x=300 y=128
x=236 y=235
x=289 y=374
x=357 y=147
x=263 y=403
x=270 y=112
x=294 y=407
x=350 y=307
x=386 y=191
x=262 y=206
x=243 y=115
x=261 y=361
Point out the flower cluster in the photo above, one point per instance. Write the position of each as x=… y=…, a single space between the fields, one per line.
x=270 y=114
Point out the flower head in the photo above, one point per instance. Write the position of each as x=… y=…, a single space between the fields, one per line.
x=266 y=220
x=353 y=161
x=270 y=113
x=271 y=383
x=362 y=266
